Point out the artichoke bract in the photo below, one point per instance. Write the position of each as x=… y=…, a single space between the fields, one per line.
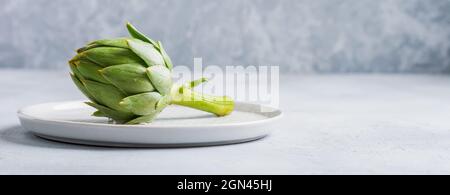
x=129 y=80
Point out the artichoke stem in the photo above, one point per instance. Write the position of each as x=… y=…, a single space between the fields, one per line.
x=218 y=105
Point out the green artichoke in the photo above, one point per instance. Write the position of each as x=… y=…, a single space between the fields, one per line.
x=129 y=80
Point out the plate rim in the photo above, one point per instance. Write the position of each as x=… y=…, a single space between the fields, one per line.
x=147 y=145
x=21 y=115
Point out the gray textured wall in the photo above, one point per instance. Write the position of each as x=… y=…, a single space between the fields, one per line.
x=298 y=35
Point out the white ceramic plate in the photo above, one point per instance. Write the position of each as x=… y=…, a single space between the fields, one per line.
x=175 y=127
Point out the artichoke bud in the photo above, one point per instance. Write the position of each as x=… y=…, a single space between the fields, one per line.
x=131 y=78
x=141 y=104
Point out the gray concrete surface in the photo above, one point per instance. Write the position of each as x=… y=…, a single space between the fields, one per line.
x=333 y=124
